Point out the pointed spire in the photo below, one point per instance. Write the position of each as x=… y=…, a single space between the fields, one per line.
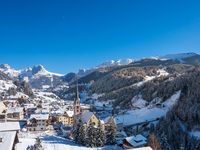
x=77 y=93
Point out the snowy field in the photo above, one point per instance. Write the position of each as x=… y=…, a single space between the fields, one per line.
x=147 y=113
x=51 y=141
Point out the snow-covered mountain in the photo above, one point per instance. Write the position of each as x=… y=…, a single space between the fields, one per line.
x=5 y=68
x=179 y=56
x=119 y=62
x=37 y=75
x=30 y=72
x=37 y=71
x=110 y=63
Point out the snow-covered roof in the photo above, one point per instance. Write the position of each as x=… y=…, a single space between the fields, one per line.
x=18 y=95
x=27 y=106
x=85 y=106
x=40 y=116
x=14 y=110
x=137 y=140
x=8 y=139
x=9 y=126
x=142 y=148
x=70 y=113
x=57 y=112
x=102 y=121
x=85 y=117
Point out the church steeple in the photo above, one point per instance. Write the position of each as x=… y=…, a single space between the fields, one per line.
x=77 y=93
x=77 y=108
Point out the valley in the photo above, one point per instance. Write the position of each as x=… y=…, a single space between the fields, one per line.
x=151 y=96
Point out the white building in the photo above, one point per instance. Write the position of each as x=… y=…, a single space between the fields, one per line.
x=8 y=139
x=9 y=126
x=38 y=122
x=15 y=113
x=135 y=141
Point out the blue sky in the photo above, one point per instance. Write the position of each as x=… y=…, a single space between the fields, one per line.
x=65 y=35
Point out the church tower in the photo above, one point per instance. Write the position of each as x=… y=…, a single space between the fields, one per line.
x=77 y=108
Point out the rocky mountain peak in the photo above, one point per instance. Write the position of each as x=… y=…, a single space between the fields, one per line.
x=5 y=66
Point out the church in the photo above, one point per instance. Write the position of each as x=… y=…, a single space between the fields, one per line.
x=86 y=117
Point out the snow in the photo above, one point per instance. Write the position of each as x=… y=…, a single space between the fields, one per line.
x=9 y=126
x=179 y=56
x=7 y=140
x=50 y=141
x=45 y=86
x=96 y=96
x=18 y=95
x=146 y=79
x=102 y=103
x=115 y=63
x=138 y=101
x=147 y=113
x=53 y=142
x=40 y=116
x=195 y=133
x=24 y=143
x=5 y=85
x=37 y=71
x=162 y=72
x=70 y=113
x=47 y=96
x=137 y=140
x=15 y=110
x=86 y=116
x=140 y=115
x=172 y=100
x=142 y=148
x=30 y=72
x=9 y=71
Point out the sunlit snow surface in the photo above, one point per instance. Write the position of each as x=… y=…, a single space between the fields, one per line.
x=147 y=113
x=52 y=142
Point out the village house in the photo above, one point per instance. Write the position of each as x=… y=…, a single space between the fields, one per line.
x=89 y=117
x=3 y=109
x=29 y=109
x=135 y=141
x=9 y=126
x=38 y=122
x=11 y=103
x=67 y=118
x=9 y=135
x=15 y=113
x=86 y=116
x=69 y=107
x=8 y=140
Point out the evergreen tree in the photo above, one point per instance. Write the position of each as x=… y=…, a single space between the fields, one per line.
x=111 y=134
x=30 y=148
x=38 y=144
x=79 y=133
x=100 y=135
x=91 y=136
